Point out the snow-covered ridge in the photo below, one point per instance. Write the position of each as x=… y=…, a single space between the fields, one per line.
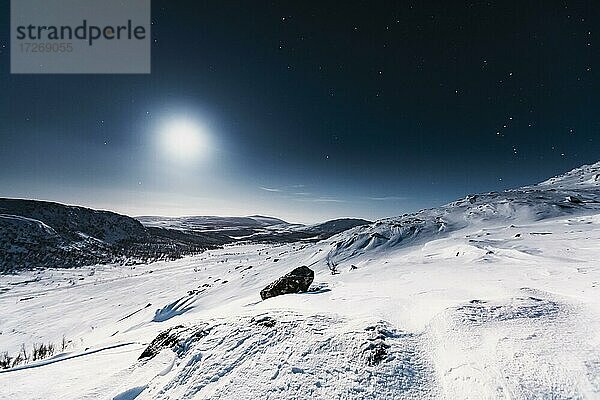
x=37 y=234
x=582 y=178
x=575 y=192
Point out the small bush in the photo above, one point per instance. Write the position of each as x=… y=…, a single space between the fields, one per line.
x=39 y=351
x=5 y=360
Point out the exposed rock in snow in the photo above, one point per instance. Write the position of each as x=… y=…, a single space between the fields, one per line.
x=300 y=357
x=176 y=339
x=296 y=281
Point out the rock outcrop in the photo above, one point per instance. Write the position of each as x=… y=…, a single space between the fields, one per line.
x=297 y=281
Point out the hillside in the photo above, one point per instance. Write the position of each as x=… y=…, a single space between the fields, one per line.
x=37 y=234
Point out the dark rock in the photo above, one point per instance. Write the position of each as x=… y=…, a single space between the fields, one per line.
x=177 y=338
x=376 y=349
x=165 y=339
x=264 y=321
x=376 y=352
x=573 y=199
x=297 y=281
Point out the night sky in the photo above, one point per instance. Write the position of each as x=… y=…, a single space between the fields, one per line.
x=314 y=110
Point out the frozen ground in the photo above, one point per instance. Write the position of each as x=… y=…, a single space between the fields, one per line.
x=500 y=304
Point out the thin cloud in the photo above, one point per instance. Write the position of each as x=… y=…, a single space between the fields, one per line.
x=323 y=200
x=269 y=189
x=386 y=198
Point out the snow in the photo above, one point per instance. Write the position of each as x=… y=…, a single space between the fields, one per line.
x=17 y=219
x=496 y=297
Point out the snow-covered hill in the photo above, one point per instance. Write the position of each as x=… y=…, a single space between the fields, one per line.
x=36 y=234
x=574 y=193
x=496 y=296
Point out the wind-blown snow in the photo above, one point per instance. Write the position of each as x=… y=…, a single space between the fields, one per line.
x=491 y=297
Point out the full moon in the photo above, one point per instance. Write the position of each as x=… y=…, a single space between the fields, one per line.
x=183 y=140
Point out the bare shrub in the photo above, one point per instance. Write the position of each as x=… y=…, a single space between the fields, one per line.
x=5 y=360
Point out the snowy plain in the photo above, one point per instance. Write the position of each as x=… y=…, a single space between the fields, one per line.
x=496 y=296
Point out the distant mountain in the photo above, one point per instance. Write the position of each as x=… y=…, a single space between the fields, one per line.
x=209 y=223
x=335 y=226
x=269 y=221
x=255 y=228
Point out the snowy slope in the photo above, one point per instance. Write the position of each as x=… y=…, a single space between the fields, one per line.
x=574 y=193
x=502 y=303
x=582 y=178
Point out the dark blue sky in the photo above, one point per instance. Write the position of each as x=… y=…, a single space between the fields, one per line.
x=314 y=110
